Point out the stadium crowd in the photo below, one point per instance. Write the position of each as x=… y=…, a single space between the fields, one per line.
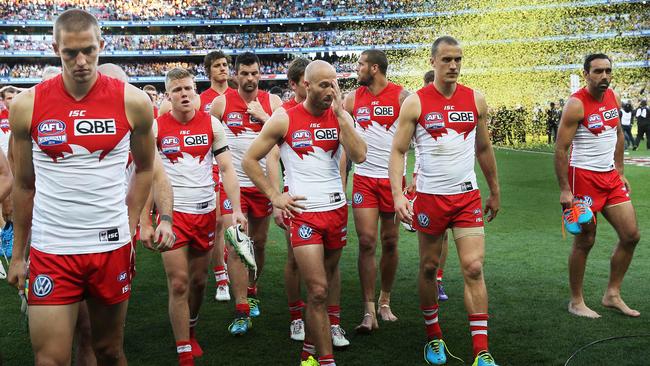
x=146 y=10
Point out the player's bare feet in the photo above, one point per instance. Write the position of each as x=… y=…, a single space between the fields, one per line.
x=580 y=309
x=616 y=302
x=386 y=314
x=368 y=324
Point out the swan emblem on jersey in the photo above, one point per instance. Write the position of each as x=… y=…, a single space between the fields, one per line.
x=461 y=122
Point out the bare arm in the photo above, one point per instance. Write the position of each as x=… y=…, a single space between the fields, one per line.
x=140 y=115
x=572 y=114
x=486 y=159
x=348 y=102
x=6 y=178
x=620 y=149
x=218 y=106
x=24 y=184
x=408 y=119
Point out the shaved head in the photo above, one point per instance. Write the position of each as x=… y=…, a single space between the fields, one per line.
x=50 y=72
x=319 y=70
x=113 y=71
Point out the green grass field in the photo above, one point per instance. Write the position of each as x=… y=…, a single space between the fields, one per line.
x=525 y=271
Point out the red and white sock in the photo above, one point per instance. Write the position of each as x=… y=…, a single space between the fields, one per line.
x=334 y=313
x=295 y=309
x=439 y=274
x=327 y=360
x=184 y=350
x=197 y=351
x=478 y=326
x=220 y=275
x=308 y=349
x=430 y=314
x=243 y=309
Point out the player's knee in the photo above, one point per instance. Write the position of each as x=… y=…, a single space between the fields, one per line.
x=367 y=243
x=473 y=270
x=50 y=360
x=389 y=243
x=430 y=269
x=109 y=354
x=317 y=294
x=199 y=282
x=585 y=241
x=631 y=239
x=179 y=286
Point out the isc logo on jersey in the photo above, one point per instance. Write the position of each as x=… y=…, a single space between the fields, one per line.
x=234 y=119
x=610 y=114
x=433 y=121
x=326 y=134
x=363 y=114
x=170 y=145
x=454 y=116
x=196 y=140
x=594 y=121
x=301 y=138
x=51 y=132
x=382 y=111
x=91 y=127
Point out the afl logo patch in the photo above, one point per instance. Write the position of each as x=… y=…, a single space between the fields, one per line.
x=51 y=132
x=170 y=145
x=363 y=114
x=423 y=220
x=301 y=138
x=594 y=121
x=42 y=286
x=234 y=119
x=433 y=121
x=357 y=198
x=305 y=232
x=227 y=204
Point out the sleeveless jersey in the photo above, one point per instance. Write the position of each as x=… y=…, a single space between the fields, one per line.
x=79 y=149
x=595 y=140
x=445 y=137
x=186 y=153
x=376 y=122
x=5 y=131
x=242 y=129
x=289 y=104
x=208 y=95
x=311 y=153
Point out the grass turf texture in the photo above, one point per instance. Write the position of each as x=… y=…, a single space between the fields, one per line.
x=525 y=271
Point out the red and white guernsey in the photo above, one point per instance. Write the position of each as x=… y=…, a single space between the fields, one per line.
x=208 y=95
x=79 y=148
x=186 y=152
x=242 y=129
x=376 y=122
x=5 y=131
x=289 y=104
x=595 y=140
x=311 y=153
x=445 y=136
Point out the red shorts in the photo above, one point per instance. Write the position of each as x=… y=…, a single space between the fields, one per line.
x=433 y=214
x=195 y=230
x=599 y=189
x=328 y=228
x=370 y=192
x=215 y=177
x=67 y=279
x=253 y=202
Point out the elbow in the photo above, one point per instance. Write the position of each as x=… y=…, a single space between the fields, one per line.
x=360 y=157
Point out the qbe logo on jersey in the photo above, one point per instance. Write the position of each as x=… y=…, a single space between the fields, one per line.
x=457 y=116
x=42 y=286
x=326 y=134
x=196 y=140
x=301 y=138
x=610 y=114
x=234 y=119
x=170 y=145
x=433 y=121
x=93 y=127
x=51 y=132
x=383 y=111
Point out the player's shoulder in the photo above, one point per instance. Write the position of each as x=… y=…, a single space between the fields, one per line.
x=135 y=97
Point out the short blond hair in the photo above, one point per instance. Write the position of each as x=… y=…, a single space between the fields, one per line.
x=177 y=73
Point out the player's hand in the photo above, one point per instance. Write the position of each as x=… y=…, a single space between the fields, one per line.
x=492 y=206
x=404 y=210
x=411 y=187
x=17 y=273
x=255 y=109
x=147 y=235
x=279 y=216
x=239 y=218
x=337 y=103
x=164 y=236
x=288 y=204
x=566 y=199
x=8 y=209
x=625 y=181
